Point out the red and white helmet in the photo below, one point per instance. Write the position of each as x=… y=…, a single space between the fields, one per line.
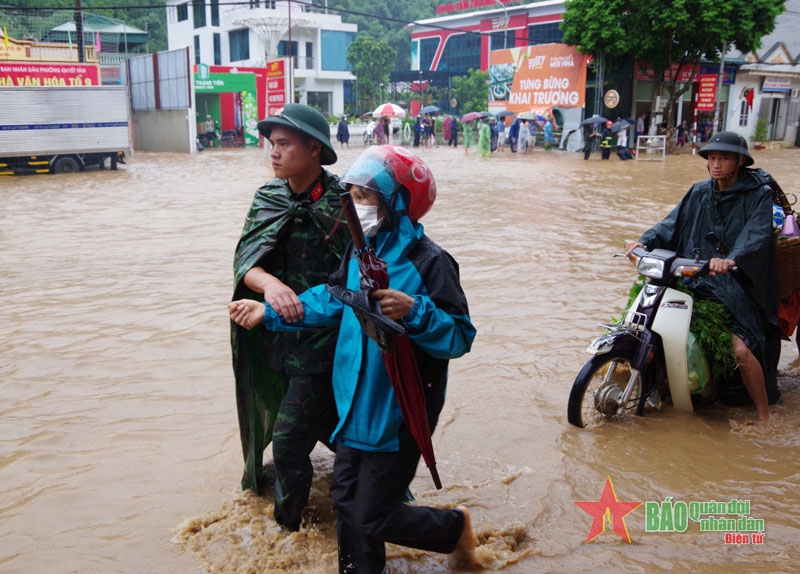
x=403 y=180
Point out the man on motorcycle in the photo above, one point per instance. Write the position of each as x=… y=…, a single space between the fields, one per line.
x=727 y=219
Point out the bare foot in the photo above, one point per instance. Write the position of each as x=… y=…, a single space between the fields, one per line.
x=463 y=557
x=467 y=539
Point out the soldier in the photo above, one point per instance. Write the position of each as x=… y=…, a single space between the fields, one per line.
x=290 y=242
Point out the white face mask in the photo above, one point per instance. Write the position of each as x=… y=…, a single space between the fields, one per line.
x=368 y=216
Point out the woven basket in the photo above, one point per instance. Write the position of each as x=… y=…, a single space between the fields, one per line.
x=788 y=254
x=787 y=249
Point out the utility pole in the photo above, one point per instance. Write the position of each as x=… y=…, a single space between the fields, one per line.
x=291 y=57
x=720 y=78
x=79 y=31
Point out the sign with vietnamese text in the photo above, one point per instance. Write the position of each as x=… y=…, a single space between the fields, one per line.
x=706 y=93
x=24 y=74
x=537 y=78
x=277 y=85
x=772 y=84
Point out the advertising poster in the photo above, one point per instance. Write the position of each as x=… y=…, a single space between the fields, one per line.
x=537 y=78
x=277 y=85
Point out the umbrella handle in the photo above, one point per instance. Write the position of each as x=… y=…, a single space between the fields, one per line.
x=356 y=231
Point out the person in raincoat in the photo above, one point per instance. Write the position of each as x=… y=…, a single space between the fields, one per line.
x=376 y=456
x=485 y=140
x=283 y=380
x=467 y=136
x=513 y=135
x=735 y=203
x=605 y=140
x=343 y=133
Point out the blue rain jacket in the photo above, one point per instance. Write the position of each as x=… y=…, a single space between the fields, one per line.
x=438 y=325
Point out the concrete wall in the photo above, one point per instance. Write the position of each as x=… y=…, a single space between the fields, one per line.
x=164 y=130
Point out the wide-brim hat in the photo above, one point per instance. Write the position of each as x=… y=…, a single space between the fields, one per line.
x=730 y=142
x=309 y=121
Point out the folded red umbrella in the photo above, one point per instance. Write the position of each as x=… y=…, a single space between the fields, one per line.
x=399 y=358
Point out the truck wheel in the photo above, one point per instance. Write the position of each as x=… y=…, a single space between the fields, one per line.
x=66 y=165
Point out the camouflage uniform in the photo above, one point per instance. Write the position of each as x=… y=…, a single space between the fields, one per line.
x=283 y=380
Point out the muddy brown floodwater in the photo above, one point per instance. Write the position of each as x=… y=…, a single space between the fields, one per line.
x=120 y=449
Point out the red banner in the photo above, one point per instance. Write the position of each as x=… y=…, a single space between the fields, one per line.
x=25 y=74
x=277 y=92
x=706 y=93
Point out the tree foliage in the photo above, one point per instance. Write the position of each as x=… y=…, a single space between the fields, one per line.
x=371 y=62
x=663 y=33
x=472 y=91
x=37 y=17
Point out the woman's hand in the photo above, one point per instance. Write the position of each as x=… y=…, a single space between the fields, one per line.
x=246 y=312
x=394 y=304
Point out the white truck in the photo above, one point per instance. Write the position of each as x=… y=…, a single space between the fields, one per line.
x=63 y=129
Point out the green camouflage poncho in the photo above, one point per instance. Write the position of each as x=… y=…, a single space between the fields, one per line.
x=285 y=234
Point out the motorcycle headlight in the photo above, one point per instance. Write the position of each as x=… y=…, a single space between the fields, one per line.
x=651 y=267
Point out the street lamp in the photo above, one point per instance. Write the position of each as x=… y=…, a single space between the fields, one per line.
x=505 y=17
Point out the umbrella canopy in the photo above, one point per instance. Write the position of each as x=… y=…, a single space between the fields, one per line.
x=595 y=119
x=398 y=354
x=389 y=110
x=471 y=116
x=620 y=125
x=501 y=115
x=430 y=110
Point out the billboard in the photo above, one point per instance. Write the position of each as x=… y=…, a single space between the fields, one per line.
x=14 y=74
x=537 y=78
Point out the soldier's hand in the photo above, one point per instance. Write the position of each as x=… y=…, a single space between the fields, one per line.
x=281 y=298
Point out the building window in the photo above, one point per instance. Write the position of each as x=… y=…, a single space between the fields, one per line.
x=254 y=3
x=502 y=40
x=544 y=34
x=239 y=44
x=461 y=52
x=309 y=63
x=215 y=12
x=183 y=12
x=197 y=50
x=217 y=50
x=744 y=113
x=320 y=100
x=283 y=50
x=199 y=13
x=427 y=51
x=333 y=50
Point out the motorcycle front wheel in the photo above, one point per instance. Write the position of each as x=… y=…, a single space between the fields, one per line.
x=597 y=391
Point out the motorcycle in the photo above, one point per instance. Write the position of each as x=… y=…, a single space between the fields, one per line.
x=650 y=345
x=368 y=137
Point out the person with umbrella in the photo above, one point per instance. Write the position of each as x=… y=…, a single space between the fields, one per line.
x=376 y=453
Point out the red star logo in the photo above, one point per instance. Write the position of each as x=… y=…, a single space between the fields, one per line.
x=608 y=510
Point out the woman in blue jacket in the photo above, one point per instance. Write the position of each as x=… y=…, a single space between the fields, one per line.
x=376 y=456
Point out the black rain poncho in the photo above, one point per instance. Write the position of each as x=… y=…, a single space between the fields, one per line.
x=742 y=218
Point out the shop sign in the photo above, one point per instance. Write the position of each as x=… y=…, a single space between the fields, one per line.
x=772 y=84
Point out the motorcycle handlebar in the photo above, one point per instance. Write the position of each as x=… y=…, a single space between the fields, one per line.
x=679 y=266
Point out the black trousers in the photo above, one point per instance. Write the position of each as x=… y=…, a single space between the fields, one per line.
x=307 y=414
x=368 y=491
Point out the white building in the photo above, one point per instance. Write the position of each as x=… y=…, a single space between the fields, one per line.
x=230 y=33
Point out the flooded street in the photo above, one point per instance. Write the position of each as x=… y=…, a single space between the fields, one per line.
x=119 y=446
